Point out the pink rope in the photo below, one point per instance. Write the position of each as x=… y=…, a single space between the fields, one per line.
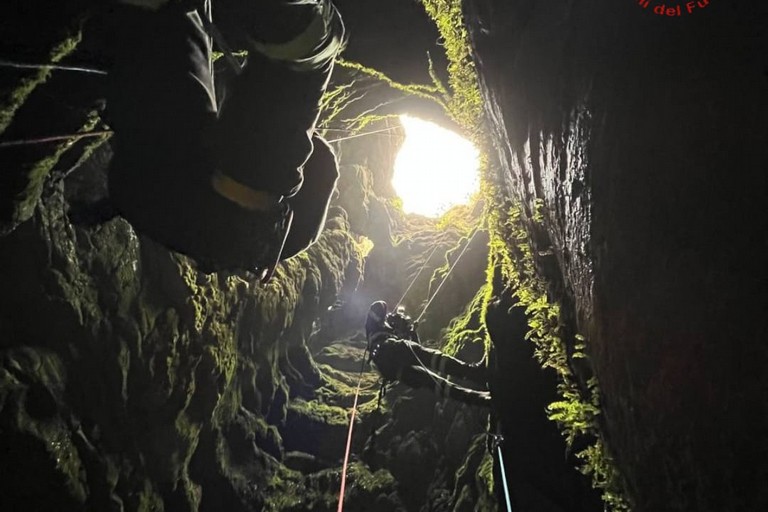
x=349 y=447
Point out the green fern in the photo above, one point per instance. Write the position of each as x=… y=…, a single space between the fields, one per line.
x=576 y=414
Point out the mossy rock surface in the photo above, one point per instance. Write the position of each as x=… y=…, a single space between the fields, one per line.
x=129 y=380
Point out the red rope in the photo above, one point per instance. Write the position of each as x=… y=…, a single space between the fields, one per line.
x=349 y=446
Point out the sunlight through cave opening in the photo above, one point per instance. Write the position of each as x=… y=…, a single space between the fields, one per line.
x=435 y=168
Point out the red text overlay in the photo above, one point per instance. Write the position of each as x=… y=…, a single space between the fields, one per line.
x=673 y=8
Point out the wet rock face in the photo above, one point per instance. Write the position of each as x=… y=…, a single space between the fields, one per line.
x=640 y=138
x=129 y=380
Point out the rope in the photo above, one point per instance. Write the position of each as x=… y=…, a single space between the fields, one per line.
x=504 y=478
x=349 y=437
x=55 y=138
x=73 y=136
x=366 y=133
x=429 y=372
x=30 y=65
x=78 y=136
x=445 y=278
x=426 y=369
x=415 y=277
x=343 y=130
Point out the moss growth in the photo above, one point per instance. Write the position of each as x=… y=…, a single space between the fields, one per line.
x=339 y=388
x=35 y=175
x=320 y=412
x=290 y=491
x=427 y=92
x=32 y=383
x=342 y=354
x=510 y=251
x=485 y=473
x=576 y=413
x=469 y=328
x=474 y=480
x=11 y=101
x=171 y=370
x=464 y=102
x=370 y=482
x=148 y=499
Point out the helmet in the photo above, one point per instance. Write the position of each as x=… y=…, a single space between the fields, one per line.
x=377 y=318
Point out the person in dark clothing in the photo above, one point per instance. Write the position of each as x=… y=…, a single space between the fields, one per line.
x=402 y=325
x=404 y=360
x=230 y=174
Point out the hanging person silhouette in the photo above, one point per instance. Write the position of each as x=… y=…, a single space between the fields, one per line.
x=231 y=175
x=398 y=358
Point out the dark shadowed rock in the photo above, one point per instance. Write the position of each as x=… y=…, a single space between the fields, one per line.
x=642 y=137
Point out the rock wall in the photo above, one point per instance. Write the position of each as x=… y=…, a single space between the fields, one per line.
x=134 y=381
x=131 y=381
x=639 y=139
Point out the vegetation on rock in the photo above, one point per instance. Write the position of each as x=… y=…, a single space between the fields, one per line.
x=509 y=229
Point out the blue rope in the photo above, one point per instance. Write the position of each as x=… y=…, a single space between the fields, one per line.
x=504 y=479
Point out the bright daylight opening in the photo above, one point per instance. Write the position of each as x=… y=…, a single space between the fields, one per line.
x=435 y=169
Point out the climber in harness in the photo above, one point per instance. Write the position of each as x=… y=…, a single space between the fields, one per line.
x=397 y=357
x=231 y=175
x=402 y=325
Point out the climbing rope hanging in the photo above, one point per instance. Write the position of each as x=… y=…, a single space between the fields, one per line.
x=434 y=378
x=70 y=137
x=504 y=477
x=58 y=67
x=445 y=278
x=420 y=362
x=374 y=132
x=349 y=436
x=228 y=55
x=416 y=277
x=73 y=137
